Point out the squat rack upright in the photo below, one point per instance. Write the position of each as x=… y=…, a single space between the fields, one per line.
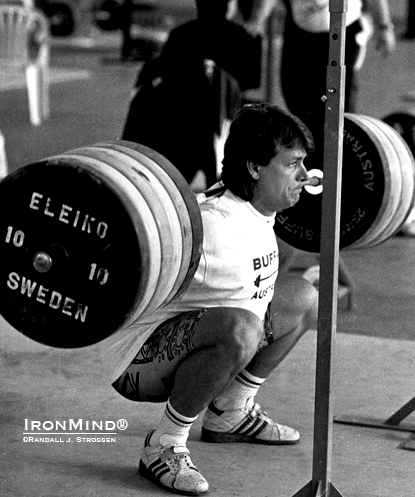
x=320 y=484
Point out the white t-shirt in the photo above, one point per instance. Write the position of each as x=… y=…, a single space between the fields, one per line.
x=314 y=15
x=238 y=268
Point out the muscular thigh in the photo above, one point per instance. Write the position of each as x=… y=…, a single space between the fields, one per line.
x=150 y=376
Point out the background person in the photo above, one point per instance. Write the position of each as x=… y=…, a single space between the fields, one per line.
x=305 y=50
x=176 y=109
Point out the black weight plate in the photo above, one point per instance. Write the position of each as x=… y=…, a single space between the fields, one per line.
x=189 y=198
x=58 y=209
x=362 y=192
x=404 y=124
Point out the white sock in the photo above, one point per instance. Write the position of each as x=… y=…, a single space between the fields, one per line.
x=173 y=428
x=244 y=386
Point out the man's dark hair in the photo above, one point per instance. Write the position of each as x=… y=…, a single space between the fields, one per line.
x=256 y=135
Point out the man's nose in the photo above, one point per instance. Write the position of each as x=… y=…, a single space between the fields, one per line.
x=302 y=173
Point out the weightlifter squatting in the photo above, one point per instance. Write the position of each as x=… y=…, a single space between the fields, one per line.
x=213 y=347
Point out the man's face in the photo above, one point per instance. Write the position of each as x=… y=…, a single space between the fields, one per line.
x=279 y=184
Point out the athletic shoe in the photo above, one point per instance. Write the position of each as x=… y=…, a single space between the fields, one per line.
x=249 y=424
x=170 y=467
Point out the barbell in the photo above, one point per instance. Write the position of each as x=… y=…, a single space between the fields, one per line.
x=96 y=238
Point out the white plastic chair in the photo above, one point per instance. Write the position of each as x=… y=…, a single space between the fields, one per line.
x=24 y=46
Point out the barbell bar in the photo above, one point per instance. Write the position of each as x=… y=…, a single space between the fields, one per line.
x=96 y=238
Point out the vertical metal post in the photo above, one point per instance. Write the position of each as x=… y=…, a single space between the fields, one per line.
x=329 y=256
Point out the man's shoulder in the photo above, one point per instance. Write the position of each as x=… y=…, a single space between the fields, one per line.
x=221 y=201
x=228 y=216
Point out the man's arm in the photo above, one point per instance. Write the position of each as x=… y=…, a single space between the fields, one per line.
x=384 y=29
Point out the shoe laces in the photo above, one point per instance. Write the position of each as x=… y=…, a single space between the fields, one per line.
x=176 y=461
x=257 y=412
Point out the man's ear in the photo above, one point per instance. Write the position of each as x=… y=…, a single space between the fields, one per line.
x=253 y=169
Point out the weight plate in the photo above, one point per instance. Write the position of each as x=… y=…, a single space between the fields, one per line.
x=148 y=236
x=393 y=183
x=179 y=204
x=190 y=201
x=362 y=193
x=159 y=203
x=405 y=164
x=71 y=255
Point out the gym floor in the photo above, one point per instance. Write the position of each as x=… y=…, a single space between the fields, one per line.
x=374 y=353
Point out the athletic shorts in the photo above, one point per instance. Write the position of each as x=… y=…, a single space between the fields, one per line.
x=150 y=376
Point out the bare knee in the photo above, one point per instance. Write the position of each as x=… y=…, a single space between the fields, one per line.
x=232 y=331
x=311 y=305
x=295 y=305
x=307 y=300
